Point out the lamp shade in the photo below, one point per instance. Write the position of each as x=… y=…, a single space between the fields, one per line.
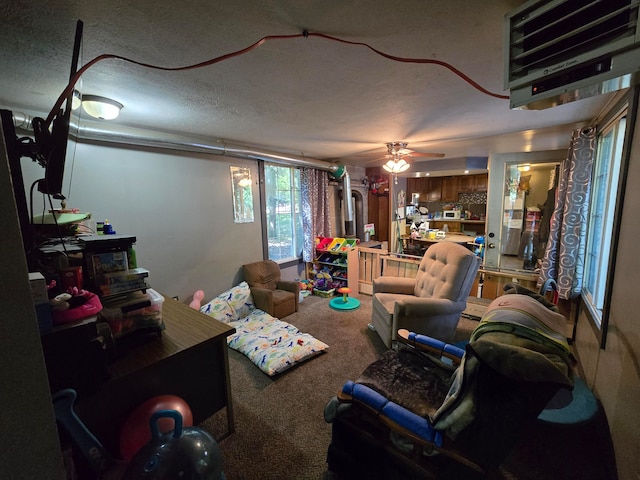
x=396 y=166
x=101 y=107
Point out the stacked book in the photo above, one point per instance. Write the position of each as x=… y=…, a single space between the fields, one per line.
x=123 y=281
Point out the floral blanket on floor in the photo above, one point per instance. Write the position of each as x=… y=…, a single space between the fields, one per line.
x=271 y=344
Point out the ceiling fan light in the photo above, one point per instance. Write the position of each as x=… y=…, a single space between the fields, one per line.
x=403 y=168
x=101 y=107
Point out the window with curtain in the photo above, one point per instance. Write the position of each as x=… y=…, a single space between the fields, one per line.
x=604 y=191
x=283 y=212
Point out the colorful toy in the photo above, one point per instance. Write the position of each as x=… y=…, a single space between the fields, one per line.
x=323 y=280
x=345 y=302
x=74 y=305
x=197 y=300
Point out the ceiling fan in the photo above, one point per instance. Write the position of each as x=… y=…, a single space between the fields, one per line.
x=397 y=163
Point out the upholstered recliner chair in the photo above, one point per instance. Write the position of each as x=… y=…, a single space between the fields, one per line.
x=270 y=294
x=432 y=302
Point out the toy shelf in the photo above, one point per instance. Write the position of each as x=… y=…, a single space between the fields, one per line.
x=331 y=260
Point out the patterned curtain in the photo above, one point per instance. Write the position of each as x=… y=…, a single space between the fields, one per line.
x=565 y=252
x=314 y=187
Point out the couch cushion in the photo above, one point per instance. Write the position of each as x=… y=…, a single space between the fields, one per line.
x=240 y=299
x=219 y=309
x=271 y=344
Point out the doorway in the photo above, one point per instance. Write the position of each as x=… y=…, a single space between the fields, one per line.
x=520 y=202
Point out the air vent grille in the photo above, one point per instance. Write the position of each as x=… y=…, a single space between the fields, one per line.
x=548 y=36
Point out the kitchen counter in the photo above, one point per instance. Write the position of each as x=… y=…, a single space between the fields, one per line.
x=457 y=220
x=449 y=237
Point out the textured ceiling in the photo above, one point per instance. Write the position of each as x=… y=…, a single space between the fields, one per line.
x=311 y=96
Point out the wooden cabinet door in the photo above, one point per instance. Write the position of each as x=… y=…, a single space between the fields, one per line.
x=449 y=189
x=420 y=186
x=379 y=215
x=466 y=183
x=481 y=182
x=413 y=186
x=434 y=192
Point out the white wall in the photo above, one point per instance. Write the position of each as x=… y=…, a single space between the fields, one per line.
x=178 y=205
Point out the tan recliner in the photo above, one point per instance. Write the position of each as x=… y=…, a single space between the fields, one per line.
x=270 y=294
x=432 y=302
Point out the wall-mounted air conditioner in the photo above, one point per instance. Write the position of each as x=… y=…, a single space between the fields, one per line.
x=558 y=51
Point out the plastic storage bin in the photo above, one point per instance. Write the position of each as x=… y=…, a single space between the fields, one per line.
x=348 y=244
x=322 y=243
x=132 y=312
x=335 y=245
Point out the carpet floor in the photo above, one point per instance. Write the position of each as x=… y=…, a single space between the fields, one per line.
x=280 y=432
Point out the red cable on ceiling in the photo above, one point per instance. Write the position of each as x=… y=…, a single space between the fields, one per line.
x=69 y=89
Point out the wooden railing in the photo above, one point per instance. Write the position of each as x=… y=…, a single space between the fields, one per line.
x=367 y=264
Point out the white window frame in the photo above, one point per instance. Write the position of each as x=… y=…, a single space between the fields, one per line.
x=605 y=211
x=274 y=222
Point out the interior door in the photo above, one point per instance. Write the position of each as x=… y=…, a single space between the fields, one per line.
x=519 y=187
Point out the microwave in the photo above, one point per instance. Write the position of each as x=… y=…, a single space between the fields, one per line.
x=451 y=214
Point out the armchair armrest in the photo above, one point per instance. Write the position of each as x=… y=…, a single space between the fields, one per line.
x=388 y=284
x=393 y=415
x=289 y=285
x=431 y=345
x=420 y=307
x=262 y=298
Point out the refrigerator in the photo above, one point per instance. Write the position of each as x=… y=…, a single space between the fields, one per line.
x=512 y=223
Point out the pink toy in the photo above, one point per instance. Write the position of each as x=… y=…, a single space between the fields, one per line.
x=74 y=306
x=197 y=300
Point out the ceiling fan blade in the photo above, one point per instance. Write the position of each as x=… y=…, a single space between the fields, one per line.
x=426 y=154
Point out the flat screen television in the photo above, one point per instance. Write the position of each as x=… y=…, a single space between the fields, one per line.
x=53 y=150
x=48 y=148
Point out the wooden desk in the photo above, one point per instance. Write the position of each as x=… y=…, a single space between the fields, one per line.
x=189 y=359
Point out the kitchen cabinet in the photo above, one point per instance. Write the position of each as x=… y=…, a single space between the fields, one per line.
x=429 y=188
x=481 y=182
x=446 y=189
x=493 y=282
x=418 y=185
x=449 y=189
x=466 y=184
x=472 y=183
x=434 y=189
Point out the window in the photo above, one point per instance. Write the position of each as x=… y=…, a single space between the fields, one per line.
x=604 y=191
x=283 y=212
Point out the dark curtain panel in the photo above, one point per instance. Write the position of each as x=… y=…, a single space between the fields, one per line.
x=564 y=255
